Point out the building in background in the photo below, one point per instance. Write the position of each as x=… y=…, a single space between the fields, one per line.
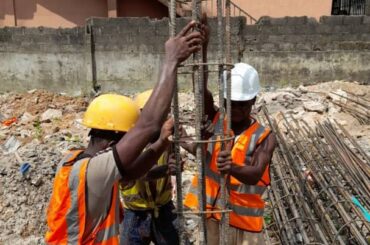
x=70 y=13
x=281 y=8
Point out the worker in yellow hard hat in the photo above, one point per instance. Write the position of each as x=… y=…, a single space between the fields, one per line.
x=84 y=206
x=147 y=202
x=141 y=99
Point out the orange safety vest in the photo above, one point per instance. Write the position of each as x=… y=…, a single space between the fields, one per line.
x=245 y=201
x=66 y=215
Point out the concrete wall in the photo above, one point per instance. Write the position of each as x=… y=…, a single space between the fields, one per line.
x=126 y=53
x=52 y=59
x=130 y=59
x=301 y=50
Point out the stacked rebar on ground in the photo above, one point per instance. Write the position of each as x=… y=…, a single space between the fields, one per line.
x=317 y=175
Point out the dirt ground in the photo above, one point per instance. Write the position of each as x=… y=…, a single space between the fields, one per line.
x=46 y=125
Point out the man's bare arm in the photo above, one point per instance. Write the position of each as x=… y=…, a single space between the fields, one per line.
x=252 y=173
x=157 y=172
x=156 y=109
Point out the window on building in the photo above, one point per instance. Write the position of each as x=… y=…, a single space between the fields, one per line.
x=348 y=7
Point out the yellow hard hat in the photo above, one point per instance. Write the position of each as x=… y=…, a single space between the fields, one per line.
x=111 y=112
x=142 y=98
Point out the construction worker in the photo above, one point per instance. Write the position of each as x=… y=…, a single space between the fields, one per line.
x=84 y=206
x=147 y=202
x=246 y=162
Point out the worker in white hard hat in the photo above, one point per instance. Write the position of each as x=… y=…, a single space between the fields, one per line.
x=245 y=161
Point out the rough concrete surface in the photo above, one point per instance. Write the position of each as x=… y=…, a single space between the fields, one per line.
x=123 y=54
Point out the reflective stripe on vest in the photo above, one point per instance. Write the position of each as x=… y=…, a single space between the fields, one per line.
x=66 y=213
x=139 y=196
x=214 y=204
x=69 y=157
x=108 y=231
x=242 y=188
x=106 y=234
x=73 y=217
x=245 y=200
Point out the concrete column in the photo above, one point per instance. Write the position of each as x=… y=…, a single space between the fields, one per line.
x=112 y=8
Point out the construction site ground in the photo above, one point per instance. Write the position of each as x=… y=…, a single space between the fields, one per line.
x=39 y=126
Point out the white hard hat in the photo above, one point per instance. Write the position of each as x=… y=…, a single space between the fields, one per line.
x=245 y=83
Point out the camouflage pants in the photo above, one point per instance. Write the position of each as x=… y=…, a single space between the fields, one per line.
x=141 y=227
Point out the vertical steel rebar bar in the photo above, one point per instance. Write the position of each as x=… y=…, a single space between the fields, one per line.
x=199 y=100
x=225 y=179
x=175 y=112
x=228 y=67
x=221 y=80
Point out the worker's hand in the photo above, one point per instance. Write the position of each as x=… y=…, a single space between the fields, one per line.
x=172 y=166
x=205 y=29
x=180 y=47
x=208 y=129
x=186 y=141
x=167 y=130
x=224 y=162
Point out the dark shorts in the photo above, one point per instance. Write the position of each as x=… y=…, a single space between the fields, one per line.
x=141 y=227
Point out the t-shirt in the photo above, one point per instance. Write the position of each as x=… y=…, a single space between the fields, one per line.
x=102 y=173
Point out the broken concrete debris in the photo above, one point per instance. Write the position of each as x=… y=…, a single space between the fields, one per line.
x=43 y=134
x=50 y=114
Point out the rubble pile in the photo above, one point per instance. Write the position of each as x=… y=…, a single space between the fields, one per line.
x=44 y=126
x=38 y=127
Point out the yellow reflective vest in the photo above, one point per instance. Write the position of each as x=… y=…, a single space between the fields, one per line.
x=139 y=197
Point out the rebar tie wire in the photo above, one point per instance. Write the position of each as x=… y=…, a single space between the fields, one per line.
x=225 y=139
